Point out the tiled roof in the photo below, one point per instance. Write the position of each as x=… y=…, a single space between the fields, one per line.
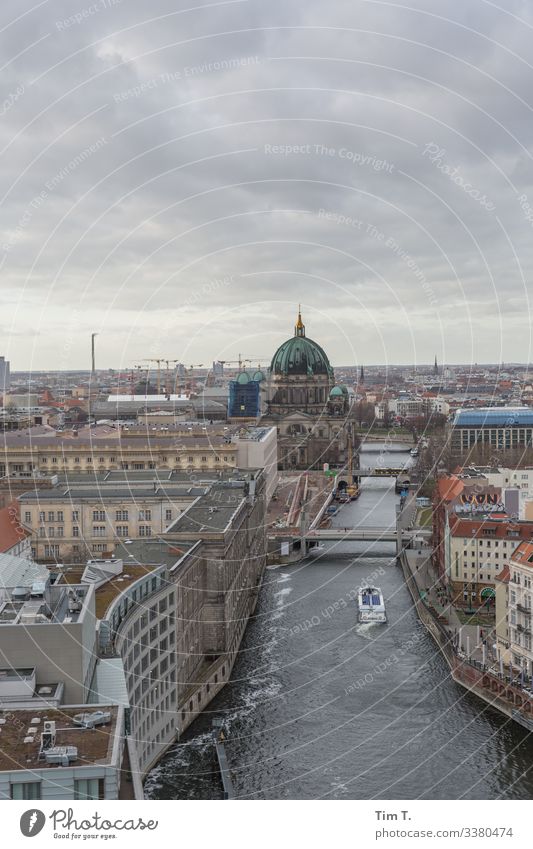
x=11 y=531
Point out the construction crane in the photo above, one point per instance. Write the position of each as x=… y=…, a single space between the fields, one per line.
x=185 y=369
x=238 y=362
x=158 y=361
x=241 y=361
x=167 y=390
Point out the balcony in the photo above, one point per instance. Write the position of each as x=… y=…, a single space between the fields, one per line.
x=523 y=629
x=522 y=609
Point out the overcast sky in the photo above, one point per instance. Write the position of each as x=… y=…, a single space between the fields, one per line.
x=178 y=175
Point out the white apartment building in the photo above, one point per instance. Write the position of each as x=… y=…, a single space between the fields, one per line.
x=521 y=608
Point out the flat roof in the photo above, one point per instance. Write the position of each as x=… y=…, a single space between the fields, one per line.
x=99 y=493
x=105 y=436
x=494 y=417
x=95 y=746
x=109 y=591
x=212 y=513
x=152 y=552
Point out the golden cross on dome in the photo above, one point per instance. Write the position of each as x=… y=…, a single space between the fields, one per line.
x=299 y=329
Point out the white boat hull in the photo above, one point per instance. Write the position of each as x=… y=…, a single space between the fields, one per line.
x=371 y=605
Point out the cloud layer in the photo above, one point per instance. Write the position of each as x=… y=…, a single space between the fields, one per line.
x=178 y=179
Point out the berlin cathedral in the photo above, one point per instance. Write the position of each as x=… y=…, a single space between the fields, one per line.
x=309 y=410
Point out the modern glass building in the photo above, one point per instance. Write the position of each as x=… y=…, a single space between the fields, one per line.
x=494 y=427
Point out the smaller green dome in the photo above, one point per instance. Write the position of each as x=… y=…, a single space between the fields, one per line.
x=336 y=392
x=258 y=377
x=243 y=378
x=344 y=389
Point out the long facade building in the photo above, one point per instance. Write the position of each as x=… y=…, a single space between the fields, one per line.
x=157 y=630
x=43 y=451
x=501 y=428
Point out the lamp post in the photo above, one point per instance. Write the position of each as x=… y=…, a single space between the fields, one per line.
x=93 y=375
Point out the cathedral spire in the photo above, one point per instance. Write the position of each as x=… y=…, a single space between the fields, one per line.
x=299 y=328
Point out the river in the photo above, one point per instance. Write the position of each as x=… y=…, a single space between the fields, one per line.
x=321 y=707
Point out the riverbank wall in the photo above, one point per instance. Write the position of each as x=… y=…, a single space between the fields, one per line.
x=494 y=689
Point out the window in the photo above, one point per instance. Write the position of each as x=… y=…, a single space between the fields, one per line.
x=42 y=532
x=75 y=516
x=51 y=551
x=168 y=515
x=98 y=530
x=89 y=788
x=59 y=515
x=76 y=459
x=145 y=531
x=26 y=790
x=27 y=516
x=122 y=531
x=42 y=516
x=60 y=531
x=98 y=515
x=51 y=515
x=121 y=515
x=145 y=515
x=75 y=531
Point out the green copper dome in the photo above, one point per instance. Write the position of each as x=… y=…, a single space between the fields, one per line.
x=336 y=392
x=300 y=355
x=243 y=378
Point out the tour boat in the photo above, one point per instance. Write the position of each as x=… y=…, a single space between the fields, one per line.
x=414 y=452
x=371 y=605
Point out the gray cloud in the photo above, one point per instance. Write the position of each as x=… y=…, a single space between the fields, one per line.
x=341 y=155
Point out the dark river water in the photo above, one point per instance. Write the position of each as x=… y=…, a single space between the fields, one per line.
x=322 y=707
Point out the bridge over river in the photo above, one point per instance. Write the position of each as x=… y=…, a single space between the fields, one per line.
x=366 y=532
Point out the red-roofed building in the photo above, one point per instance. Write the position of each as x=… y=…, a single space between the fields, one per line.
x=14 y=538
x=479 y=550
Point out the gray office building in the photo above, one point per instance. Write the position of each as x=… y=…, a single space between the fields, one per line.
x=4 y=375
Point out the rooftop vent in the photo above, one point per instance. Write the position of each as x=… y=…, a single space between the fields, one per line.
x=63 y=755
x=91 y=720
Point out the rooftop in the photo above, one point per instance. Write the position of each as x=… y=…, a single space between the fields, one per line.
x=11 y=531
x=494 y=416
x=214 y=511
x=523 y=555
x=99 y=493
x=104 y=435
x=95 y=746
x=19 y=571
x=109 y=591
x=492 y=528
x=151 y=552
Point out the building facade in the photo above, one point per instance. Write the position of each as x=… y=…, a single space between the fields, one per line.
x=521 y=609
x=498 y=428
x=43 y=451
x=73 y=523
